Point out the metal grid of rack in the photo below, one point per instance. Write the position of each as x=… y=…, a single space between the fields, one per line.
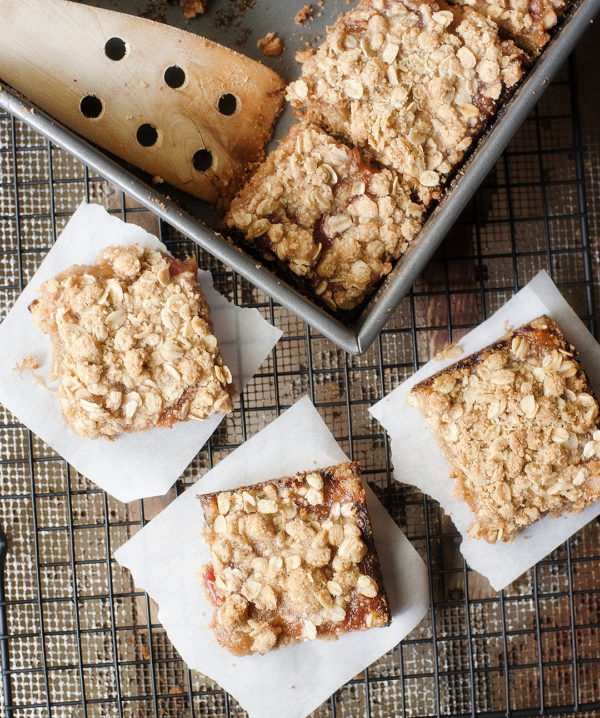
x=80 y=640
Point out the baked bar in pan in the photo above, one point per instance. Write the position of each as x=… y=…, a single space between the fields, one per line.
x=293 y=559
x=328 y=216
x=527 y=22
x=133 y=344
x=518 y=423
x=412 y=83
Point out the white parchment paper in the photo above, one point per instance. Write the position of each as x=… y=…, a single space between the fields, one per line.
x=132 y=466
x=164 y=558
x=418 y=461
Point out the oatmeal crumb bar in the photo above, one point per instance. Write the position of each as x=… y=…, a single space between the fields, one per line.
x=328 y=216
x=525 y=21
x=411 y=82
x=518 y=423
x=133 y=344
x=292 y=559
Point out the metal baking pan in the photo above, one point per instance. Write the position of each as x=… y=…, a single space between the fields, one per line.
x=239 y=24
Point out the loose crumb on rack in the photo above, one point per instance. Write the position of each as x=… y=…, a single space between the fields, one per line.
x=270 y=45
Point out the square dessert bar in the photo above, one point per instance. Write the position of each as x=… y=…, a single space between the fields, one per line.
x=132 y=342
x=518 y=423
x=292 y=559
x=527 y=22
x=329 y=217
x=412 y=83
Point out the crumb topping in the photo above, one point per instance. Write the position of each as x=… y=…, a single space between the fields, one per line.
x=519 y=424
x=292 y=560
x=331 y=218
x=133 y=344
x=525 y=21
x=412 y=82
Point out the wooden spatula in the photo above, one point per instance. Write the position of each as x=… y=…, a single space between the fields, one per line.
x=178 y=106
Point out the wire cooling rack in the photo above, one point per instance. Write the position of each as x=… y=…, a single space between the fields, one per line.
x=79 y=640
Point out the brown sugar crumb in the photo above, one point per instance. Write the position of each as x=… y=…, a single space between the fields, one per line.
x=518 y=423
x=293 y=559
x=305 y=13
x=304 y=55
x=133 y=344
x=193 y=8
x=411 y=83
x=330 y=218
x=270 y=45
x=28 y=363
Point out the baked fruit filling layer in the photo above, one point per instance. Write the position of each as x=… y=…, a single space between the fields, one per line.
x=331 y=218
x=412 y=83
x=518 y=423
x=293 y=559
x=133 y=344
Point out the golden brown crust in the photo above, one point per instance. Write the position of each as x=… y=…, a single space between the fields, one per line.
x=292 y=559
x=518 y=423
x=133 y=344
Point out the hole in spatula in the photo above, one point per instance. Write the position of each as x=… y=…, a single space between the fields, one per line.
x=227 y=104
x=174 y=76
x=115 y=49
x=91 y=106
x=202 y=160
x=147 y=135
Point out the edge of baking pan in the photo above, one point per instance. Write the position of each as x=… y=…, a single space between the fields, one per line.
x=472 y=174
x=191 y=227
x=357 y=338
